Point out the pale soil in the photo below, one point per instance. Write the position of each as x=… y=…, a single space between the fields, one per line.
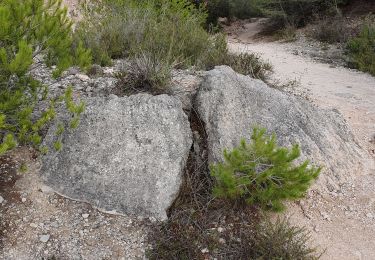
x=342 y=221
x=31 y=210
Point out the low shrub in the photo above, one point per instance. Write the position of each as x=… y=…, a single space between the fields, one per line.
x=241 y=9
x=30 y=29
x=286 y=34
x=262 y=173
x=361 y=49
x=160 y=35
x=148 y=73
x=201 y=226
x=171 y=30
x=249 y=64
x=282 y=240
x=331 y=30
x=297 y=13
x=231 y=234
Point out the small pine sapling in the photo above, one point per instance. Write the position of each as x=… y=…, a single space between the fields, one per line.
x=262 y=173
x=31 y=29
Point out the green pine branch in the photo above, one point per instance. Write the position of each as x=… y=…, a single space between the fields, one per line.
x=262 y=173
x=29 y=28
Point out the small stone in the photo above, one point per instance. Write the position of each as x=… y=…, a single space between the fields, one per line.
x=109 y=71
x=222 y=240
x=205 y=250
x=23 y=200
x=220 y=229
x=152 y=219
x=33 y=225
x=316 y=229
x=83 y=77
x=1 y=200
x=112 y=96
x=85 y=215
x=55 y=224
x=325 y=216
x=46 y=189
x=44 y=238
x=78 y=87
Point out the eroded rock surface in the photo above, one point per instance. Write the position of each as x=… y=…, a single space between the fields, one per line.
x=127 y=155
x=231 y=104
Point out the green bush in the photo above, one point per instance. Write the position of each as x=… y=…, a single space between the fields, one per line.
x=161 y=35
x=201 y=226
x=31 y=28
x=171 y=30
x=331 y=30
x=297 y=13
x=262 y=173
x=283 y=12
x=362 y=49
x=249 y=64
x=148 y=72
x=241 y=9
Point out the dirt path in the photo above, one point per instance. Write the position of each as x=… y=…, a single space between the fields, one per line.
x=341 y=221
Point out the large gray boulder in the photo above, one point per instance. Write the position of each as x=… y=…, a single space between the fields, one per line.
x=230 y=105
x=127 y=155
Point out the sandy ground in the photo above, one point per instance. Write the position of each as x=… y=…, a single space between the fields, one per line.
x=343 y=221
x=36 y=223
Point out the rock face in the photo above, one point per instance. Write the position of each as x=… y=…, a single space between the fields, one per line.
x=231 y=104
x=127 y=155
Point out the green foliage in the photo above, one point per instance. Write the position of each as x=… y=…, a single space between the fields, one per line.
x=240 y=9
x=29 y=29
x=331 y=30
x=283 y=12
x=156 y=35
x=286 y=34
x=23 y=168
x=83 y=57
x=171 y=30
x=262 y=173
x=362 y=49
x=148 y=72
x=57 y=145
x=249 y=64
x=297 y=13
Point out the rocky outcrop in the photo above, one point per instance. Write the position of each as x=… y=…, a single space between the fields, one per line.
x=101 y=83
x=127 y=155
x=230 y=104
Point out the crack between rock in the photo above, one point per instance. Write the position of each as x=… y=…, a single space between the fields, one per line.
x=196 y=173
